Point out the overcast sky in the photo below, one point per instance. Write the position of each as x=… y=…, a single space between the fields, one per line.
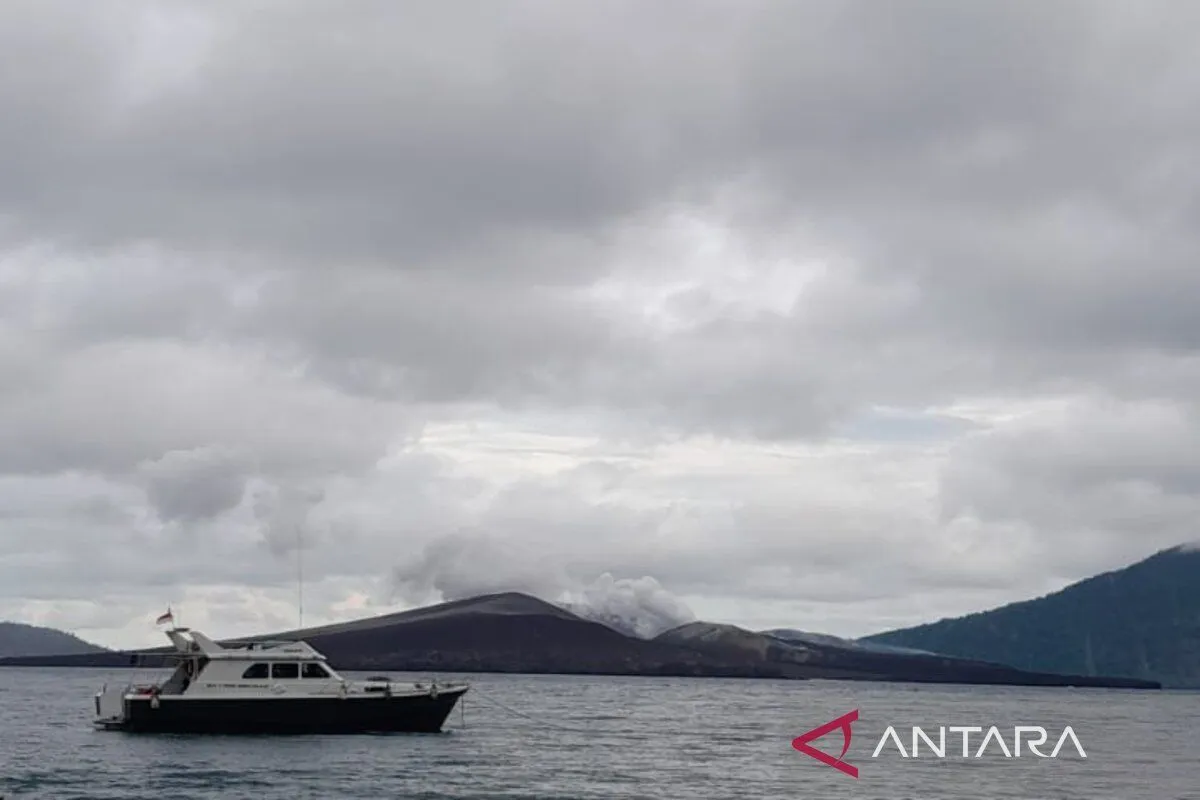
x=830 y=315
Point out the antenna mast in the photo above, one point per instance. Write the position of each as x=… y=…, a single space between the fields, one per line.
x=300 y=575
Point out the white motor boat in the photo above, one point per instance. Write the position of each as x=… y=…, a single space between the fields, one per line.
x=269 y=687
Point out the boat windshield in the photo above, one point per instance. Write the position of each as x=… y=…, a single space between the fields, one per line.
x=185 y=672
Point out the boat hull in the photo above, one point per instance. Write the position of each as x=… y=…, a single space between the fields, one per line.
x=419 y=713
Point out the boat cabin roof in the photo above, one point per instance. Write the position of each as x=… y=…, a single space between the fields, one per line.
x=190 y=642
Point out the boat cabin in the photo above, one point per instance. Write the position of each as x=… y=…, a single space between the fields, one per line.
x=202 y=666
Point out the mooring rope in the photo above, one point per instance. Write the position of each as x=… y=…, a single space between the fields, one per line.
x=516 y=712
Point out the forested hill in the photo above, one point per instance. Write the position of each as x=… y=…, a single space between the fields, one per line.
x=17 y=639
x=1142 y=621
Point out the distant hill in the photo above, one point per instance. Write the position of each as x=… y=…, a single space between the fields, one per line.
x=1142 y=621
x=17 y=639
x=512 y=632
x=806 y=637
x=817 y=656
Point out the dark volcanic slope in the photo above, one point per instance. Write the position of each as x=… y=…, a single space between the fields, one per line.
x=17 y=639
x=505 y=632
x=1142 y=621
x=814 y=659
x=505 y=604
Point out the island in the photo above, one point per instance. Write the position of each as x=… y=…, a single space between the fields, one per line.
x=510 y=632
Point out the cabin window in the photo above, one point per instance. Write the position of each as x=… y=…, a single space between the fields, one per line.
x=255 y=672
x=285 y=670
x=313 y=669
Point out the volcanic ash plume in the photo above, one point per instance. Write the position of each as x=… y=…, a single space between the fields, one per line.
x=463 y=565
x=636 y=606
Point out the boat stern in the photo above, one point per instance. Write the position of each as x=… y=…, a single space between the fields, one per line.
x=110 y=707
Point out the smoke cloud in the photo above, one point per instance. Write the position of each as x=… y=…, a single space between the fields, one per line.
x=466 y=565
x=637 y=606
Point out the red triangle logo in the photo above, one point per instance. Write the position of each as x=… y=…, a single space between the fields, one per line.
x=843 y=723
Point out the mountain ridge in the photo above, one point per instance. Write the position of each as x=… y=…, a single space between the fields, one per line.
x=1139 y=621
x=516 y=633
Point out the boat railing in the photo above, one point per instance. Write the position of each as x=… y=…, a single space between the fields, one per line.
x=130 y=686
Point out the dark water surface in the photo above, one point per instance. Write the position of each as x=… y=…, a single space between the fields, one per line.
x=684 y=739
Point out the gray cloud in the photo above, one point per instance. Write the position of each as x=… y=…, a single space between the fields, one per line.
x=456 y=566
x=823 y=312
x=285 y=516
x=919 y=151
x=194 y=485
x=1093 y=483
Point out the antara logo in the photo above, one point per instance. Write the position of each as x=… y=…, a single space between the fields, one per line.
x=843 y=722
x=1033 y=737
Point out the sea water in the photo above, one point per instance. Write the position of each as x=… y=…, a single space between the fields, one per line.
x=574 y=738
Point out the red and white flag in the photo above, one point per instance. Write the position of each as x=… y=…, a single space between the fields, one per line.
x=167 y=617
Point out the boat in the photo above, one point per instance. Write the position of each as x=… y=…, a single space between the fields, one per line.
x=282 y=686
